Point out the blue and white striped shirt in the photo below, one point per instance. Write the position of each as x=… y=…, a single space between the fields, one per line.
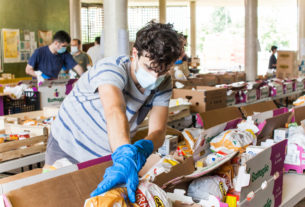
x=80 y=127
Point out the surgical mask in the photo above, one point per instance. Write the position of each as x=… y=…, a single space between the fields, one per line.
x=74 y=50
x=62 y=50
x=146 y=80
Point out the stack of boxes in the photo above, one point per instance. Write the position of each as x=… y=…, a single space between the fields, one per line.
x=287 y=65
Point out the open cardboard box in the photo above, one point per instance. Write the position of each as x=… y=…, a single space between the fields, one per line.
x=298 y=114
x=218 y=116
x=249 y=110
x=70 y=186
x=203 y=98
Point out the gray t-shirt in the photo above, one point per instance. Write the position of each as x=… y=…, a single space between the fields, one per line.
x=80 y=127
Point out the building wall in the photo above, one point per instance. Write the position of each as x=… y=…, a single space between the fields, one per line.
x=33 y=15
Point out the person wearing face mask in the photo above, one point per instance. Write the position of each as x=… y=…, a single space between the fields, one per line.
x=79 y=56
x=108 y=103
x=47 y=61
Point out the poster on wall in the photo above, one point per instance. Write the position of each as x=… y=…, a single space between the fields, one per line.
x=1 y=56
x=10 y=43
x=44 y=38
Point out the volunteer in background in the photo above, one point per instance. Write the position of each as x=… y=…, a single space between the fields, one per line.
x=47 y=61
x=272 y=60
x=102 y=113
x=95 y=52
x=79 y=56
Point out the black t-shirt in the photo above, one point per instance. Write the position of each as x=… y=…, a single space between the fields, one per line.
x=272 y=61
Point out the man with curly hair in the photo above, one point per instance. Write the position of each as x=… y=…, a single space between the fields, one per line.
x=107 y=104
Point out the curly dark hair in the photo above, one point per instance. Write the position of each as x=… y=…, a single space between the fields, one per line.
x=162 y=44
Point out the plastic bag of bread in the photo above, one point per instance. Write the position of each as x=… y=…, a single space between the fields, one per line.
x=232 y=140
x=147 y=194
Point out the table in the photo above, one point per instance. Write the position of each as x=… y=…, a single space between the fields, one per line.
x=293 y=189
x=21 y=162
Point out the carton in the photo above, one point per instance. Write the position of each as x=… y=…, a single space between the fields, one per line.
x=298 y=114
x=52 y=93
x=218 y=116
x=205 y=80
x=287 y=65
x=251 y=95
x=288 y=87
x=231 y=98
x=240 y=76
x=249 y=110
x=226 y=78
x=203 y=98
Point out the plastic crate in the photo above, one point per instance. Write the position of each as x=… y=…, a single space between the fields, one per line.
x=30 y=101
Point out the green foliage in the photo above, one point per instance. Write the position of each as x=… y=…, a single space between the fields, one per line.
x=220 y=19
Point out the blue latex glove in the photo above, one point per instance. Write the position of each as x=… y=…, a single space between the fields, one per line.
x=127 y=162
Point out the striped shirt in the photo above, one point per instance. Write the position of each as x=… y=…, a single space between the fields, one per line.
x=80 y=126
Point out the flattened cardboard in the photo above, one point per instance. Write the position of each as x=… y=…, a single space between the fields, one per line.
x=219 y=116
x=204 y=98
x=249 y=110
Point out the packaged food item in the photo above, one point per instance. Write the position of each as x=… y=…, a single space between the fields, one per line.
x=300 y=101
x=191 y=135
x=170 y=145
x=209 y=159
x=48 y=120
x=164 y=165
x=184 y=150
x=147 y=194
x=24 y=135
x=201 y=188
x=13 y=137
x=30 y=122
x=232 y=140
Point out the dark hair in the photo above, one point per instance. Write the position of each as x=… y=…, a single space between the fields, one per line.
x=98 y=40
x=273 y=48
x=62 y=36
x=78 y=41
x=162 y=44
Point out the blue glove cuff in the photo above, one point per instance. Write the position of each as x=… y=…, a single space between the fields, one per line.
x=45 y=76
x=145 y=146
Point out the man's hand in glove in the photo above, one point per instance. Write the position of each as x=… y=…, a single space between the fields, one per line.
x=127 y=162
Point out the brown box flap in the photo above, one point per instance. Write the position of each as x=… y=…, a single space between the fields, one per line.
x=70 y=190
x=299 y=114
x=21 y=175
x=219 y=116
x=272 y=124
x=257 y=107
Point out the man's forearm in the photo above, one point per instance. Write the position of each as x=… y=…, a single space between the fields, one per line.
x=117 y=128
x=157 y=137
x=30 y=71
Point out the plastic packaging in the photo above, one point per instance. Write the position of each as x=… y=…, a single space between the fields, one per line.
x=201 y=188
x=164 y=165
x=232 y=140
x=147 y=194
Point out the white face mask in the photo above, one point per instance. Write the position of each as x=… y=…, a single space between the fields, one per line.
x=74 y=50
x=146 y=80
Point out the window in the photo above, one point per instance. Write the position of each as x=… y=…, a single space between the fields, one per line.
x=277 y=25
x=92 y=20
x=220 y=37
x=139 y=17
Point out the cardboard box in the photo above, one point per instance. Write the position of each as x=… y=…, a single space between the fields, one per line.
x=204 y=98
x=251 y=95
x=249 y=110
x=52 y=93
x=231 y=98
x=205 y=80
x=265 y=169
x=298 y=114
x=288 y=87
x=264 y=92
x=240 y=76
x=287 y=65
x=226 y=78
x=215 y=117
